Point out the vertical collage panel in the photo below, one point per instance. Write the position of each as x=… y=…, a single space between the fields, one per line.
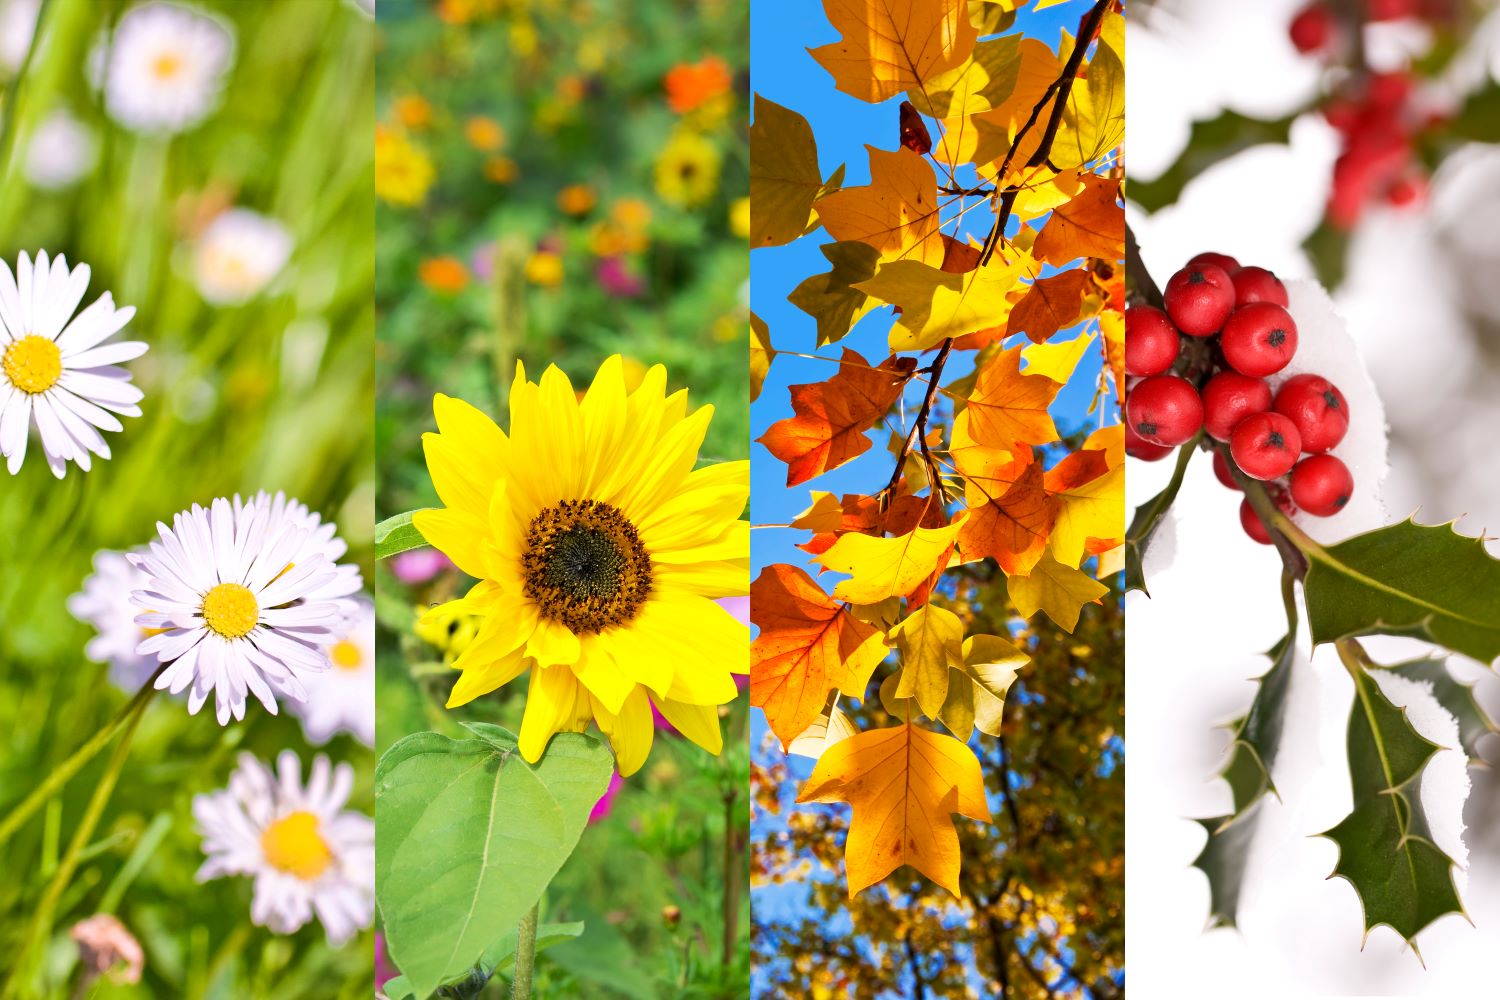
x=937 y=747
x=186 y=661
x=563 y=425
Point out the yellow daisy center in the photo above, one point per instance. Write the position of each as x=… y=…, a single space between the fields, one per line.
x=346 y=655
x=292 y=844
x=166 y=65
x=584 y=566
x=32 y=364
x=230 y=610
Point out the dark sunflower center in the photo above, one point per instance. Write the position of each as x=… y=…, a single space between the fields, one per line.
x=585 y=565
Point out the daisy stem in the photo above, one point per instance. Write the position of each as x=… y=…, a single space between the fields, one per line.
x=62 y=773
x=520 y=984
x=41 y=919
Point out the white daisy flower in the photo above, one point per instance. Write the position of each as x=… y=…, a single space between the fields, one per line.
x=104 y=603
x=166 y=67
x=343 y=699
x=309 y=855
x=283 y=509
x=60 y=152
x=17 y=29
x=232 y=592
x=238 y=254
x=56 y=367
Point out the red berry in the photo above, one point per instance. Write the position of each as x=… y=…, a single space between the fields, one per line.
x=1151 y=341
x=1221 y=470
x=1199 y=299
x=1312 y=28
x=1222 y=261
x=1230 y=397
x=1408 y=191
x=1138 y=447
x=1259 y=339
x=1265 y=445
x=1251 y=522
x=1256 y=284
x=1321 y=485
x=1390 y=10
x=1164 y=410
x=1318 y=409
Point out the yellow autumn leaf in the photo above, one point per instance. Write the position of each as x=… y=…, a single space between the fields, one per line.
x=936 y=304
x=931 y=642
x=896 y=213
x=1059 y=590
x=990 y=663
x=761 y=354
x=1056 y=360
x=1094 y=120
x=828 y=729
x=784 y=174
x=888 y=567
x=980 y=83
x=888 y=48
x=1093 y=509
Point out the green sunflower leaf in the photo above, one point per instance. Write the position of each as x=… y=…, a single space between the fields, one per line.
x=469 y=837
x=397 y=534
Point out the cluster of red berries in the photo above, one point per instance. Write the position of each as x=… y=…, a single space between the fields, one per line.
x=1376 y=114
x=1245 y=334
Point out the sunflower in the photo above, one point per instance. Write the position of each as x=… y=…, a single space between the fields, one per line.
x=687 y=171
x=599 y=551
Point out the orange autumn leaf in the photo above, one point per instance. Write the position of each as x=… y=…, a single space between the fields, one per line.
x=1050 y=305
x=890 y=567
x=904 y=784
x=1008 y=408
x=888 y=48
x=1012 y=527
x=832 y=417
x=807 y=645
x=896 y=213
x=1091 y=225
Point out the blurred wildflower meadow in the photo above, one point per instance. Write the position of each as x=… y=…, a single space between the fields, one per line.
x=558 y=183
x=210 y=162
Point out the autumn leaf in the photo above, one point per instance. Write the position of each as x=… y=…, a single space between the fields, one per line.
x=1091 y=225
x=807 y=645
x=990 y=662
x=889 y=567
x=1056 y=361
x=896 y=213
x=784 y=174
x=904 y=784
x=826 y=730
x=931 y=642
x=1050 y=305
x=1059 y=590
x=1007 y=408
x=1094 y=120
x=832 y=417
x=987 y=137
x=1091 y=502
x=761 y=355
x=829 y=297
x=888 y=48
x=936 y=304
x=980 y=83
x=1012 y=527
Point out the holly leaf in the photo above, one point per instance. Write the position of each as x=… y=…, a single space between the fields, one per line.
x=931 y=643
x=1474 y=723
x=807 y=645
x=1223 y=860
x=1059 y=590
x=889 y=567
x=896 y=213
x=1091 y=225
x=888 y=48
x=830 y=297
x=904 y=784
x=761 y=355
x=1408 y=579
x=832 y=417
x=1211 y=141
x=937 y=304
x=1050 y=304
x=1402 y=878
x=784 y=175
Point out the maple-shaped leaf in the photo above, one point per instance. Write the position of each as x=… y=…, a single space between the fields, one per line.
x=1091 y=501
x=1006 y=408
x=979 y=83
x=889 y=567
x=1385 y=846
x=937 y=304
x=888 y=48
x=1094 y=119
x=826 y=730
x=987 y=137
x=1409 y=579
x=1059 y=590
x=1112 y=325
x=1011 y=527
x=830 y=297
x=977 y=688
x=1050 y=305
x=896 y=213
x=761 y=355
x=784 y=175
x=1474 y=723
x=832 y=417
x=1091 y=225
x=807 y=645
x=1057 y=360
x=931 y=643
x=904 y=784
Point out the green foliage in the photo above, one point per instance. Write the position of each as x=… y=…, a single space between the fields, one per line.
x=469 y=836
x=1211 y=141
x=397 y=534
x=1474 y=722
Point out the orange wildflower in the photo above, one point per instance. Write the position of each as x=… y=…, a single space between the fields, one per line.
x=484 y=133
x=444 y=274
x=691 y=85
x=413 y=111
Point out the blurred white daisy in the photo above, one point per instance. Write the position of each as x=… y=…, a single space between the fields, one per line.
x=231 y=592
x=166 y=67
x=56 y=368
x=104 y=603
x=17 y=29
x=238 y=254
x=343 y=699
x=309 y=856
x=60 y=152
x=346 y=581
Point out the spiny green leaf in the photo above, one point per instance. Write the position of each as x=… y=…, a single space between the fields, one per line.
x=1147 y=520
x=397 y=534
x=1407 y=579
x=1458 y=698
x=1223 y=860
x=1402 y=878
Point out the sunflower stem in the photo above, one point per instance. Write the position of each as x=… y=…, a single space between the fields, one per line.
x=520 y=984
x=62 y=773
x=41 y=919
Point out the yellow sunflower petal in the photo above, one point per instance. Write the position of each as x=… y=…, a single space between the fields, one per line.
x=459 y=536
x=501 y=633
x=553 y=643
x=467 y=457
x=699 y=723
x=700 y=509
x=694 y=640
x=716 y=578
x=597 y=671
x=480 y=678
x=477 y=601
x=670 y=461
x=732 y=543
x=561 y=434
x=629 y=731
x=606 y=429
x=551 y=707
